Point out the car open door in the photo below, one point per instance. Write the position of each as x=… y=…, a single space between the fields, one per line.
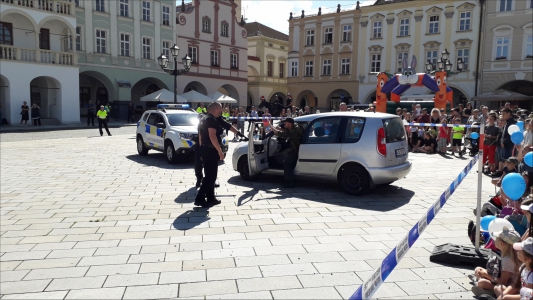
x=257 y=149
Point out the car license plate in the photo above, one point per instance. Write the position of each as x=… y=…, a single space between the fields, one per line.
x=400 y=152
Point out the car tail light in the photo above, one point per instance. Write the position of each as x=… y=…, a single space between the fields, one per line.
x=382 y=143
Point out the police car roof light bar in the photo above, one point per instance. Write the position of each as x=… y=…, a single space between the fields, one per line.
x=173 y=106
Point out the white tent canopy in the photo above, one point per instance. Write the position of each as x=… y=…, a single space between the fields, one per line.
x=195 y=97
x=221 y=98
x=163 y=96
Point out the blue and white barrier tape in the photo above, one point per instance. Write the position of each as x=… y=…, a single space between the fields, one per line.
x=370 y=286
x=447 y=125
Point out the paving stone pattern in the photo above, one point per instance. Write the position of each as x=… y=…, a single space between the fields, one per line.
x=87 y=218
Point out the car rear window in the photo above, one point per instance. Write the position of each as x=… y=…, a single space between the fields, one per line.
x=394 y=130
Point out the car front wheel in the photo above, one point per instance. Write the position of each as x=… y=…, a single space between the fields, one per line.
x=141 y=148
x=171 y=155
x=243 y=169
x=354 y=180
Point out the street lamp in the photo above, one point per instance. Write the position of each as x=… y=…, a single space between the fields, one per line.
x=163 y=63
x=460 y=65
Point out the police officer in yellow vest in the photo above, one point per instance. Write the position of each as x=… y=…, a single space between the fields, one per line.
x=201 y=109
x=102 y=120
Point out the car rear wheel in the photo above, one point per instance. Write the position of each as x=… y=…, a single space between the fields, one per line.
x=354 y=180
x=141 y=148
x=244 y=170
x=170 y=153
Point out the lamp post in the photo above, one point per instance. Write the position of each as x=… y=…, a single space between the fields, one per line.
x=444 y=64
x=163 y=63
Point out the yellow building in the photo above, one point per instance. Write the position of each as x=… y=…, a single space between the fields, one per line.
x=323 y=53
x=267 y=63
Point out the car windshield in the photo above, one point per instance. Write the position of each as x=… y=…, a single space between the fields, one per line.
x=183 y=119
x=394 y=130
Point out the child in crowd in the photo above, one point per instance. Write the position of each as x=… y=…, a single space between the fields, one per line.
x=416 y=141
x=457 y=135
x=523 y=285
x=443 y=137
x=429 y=144
x=498 y=271
x=510 y=167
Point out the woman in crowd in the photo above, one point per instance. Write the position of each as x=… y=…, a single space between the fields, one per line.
x=466 y=113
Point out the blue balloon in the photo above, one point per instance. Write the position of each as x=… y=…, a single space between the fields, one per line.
x=528 y=159
x=485 y=221
x=474 y=135
x=520 y=125
x=517 y=137
x=514 y=186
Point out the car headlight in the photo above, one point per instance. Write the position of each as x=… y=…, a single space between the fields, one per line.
x=186 y=136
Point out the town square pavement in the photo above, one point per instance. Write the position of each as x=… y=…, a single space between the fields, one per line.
x=84 y=216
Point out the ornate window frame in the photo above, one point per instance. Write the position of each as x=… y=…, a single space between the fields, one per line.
x=463 y=44
x=528 y=32
x=206 y=24
x=502 y=31
x=434 y=12
x=377 y=18
x=402 y=48
x=465 y=8
x=431 y=46
x=405 y=15
x=375 y=50
x=224 y=26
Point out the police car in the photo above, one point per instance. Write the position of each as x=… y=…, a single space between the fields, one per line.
x=172 y=129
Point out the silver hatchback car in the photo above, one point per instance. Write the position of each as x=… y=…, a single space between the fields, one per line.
x=359 y=150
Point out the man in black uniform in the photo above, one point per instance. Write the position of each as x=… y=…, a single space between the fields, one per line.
x=293 y=134
x=265 y=104
x=210 y=129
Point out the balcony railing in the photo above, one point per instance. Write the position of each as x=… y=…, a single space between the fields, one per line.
x=53 y=6
x=37 y=56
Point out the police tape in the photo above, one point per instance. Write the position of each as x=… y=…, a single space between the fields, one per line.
x=370 y=286
x=447 y=125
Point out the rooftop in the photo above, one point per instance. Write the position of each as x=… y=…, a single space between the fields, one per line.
x=258 y=29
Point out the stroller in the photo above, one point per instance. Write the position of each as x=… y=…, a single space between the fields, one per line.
x=473 y=144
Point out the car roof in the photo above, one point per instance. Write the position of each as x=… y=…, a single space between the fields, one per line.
x=369 y=115
x=172 y=111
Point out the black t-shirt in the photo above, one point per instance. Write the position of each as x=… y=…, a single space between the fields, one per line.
x=430 y=143
x=492 y=131
x=209 y=121
x=415 y=138
x=25 y=109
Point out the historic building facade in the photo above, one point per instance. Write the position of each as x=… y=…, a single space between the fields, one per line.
x=323 y=58
x=212 y=34
x=394 y=29
x=507 y=60
x=38 y=63
x=267 y=63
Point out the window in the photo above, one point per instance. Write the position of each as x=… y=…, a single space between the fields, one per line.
x=6 y=33
x=328 y=35
x=354 y=130
x=214 y=58
x=224 y=29
x=233 y=59
x=166 y=49
x=434 y=24
x=309 y=68
x=125 y=44
x=530 y=3
x=100 y=41
x=529 y=45
x=147 y=48
x=401 y=56
x=502 y=47
x=125 y=8
x=281 y=70
x=44 y=39
x=506 y=5
x=345 y=66
x=78 y=38
x=326 y=67
x=294 y=69
x=463 y=54
x=375 y=64
x=324 y=131
x=270 y=68
x=166 y=15
x=346 y=33
x=100 y=5
x=377 y=30
x=464 y=21
x=310 y=38
x=146 y=11
x=77 y=3
x=404 y=27
x=432 y=56
x=193 y=54
x=206 y=25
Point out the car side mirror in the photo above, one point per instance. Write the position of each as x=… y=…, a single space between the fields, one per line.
x=160 y=125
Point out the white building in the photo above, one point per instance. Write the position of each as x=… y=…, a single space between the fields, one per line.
x=37 y=62
x=211 y=33
x=393 y=29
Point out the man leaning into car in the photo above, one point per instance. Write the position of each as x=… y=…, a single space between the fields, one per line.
x=293 y=133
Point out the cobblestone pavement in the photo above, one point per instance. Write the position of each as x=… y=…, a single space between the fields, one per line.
x=88 y=218
x=92 y=132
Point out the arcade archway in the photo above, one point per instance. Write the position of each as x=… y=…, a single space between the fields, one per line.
x=523 y=87
x=195 y=86
x=306 y=98
x=281 y=97
x=336 y=97
x=46 y=93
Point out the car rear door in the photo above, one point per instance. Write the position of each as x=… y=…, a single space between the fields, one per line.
x=321 y=147
x=396 y=140
x=257 y=155
x=154 y=134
